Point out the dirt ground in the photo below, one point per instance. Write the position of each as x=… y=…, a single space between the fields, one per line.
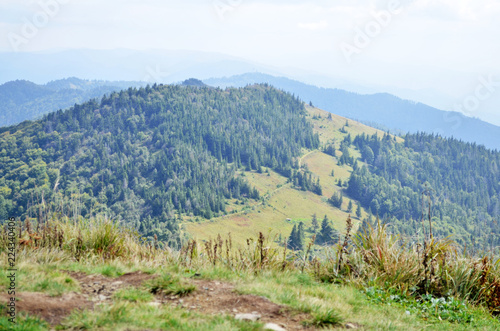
x=94 y=289
x=210 y=297
x=51 y=309
x=215 y=297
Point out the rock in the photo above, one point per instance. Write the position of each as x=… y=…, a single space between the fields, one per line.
x=248 y=317
x=350 y=326
x=154 y=304
x=102 y=297
x=272 y=326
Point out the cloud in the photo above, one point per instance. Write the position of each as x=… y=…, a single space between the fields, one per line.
x=321 y=25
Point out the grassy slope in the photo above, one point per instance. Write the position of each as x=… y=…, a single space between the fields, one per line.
x=133 y=311
x=283 y=202
x=46 y=271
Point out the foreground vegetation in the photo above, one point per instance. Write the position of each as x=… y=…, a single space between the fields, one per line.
x=373 y=280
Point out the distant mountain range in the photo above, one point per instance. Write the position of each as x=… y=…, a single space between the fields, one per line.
x=22 y=100
x=386 y=110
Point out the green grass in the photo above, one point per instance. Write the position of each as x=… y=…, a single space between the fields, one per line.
x=23 y=323
x=168 y=284
x=133 y=294
x=128 y=316
x=385 y=285
x=325 y=319
x=45 y=279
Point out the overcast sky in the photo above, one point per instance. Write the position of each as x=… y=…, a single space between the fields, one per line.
x=444 y=45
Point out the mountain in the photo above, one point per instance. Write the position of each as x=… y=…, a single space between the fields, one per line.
x=245 y=159
x=268 y=207
x=22 y=100
x=150 y=155
x=384 y=109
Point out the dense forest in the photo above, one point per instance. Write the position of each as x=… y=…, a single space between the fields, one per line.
x=459 y=181
x=151 y=155
x=155 y=155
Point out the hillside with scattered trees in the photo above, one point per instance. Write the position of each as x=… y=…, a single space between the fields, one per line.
x=149 y=156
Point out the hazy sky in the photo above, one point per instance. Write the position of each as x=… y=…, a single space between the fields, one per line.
x=451 y=46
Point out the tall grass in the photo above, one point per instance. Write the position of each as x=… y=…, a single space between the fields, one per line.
x=374 y=257
x=98 y=237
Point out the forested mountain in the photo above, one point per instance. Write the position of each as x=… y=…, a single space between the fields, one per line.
x=384 y=109
x=22 y=100
x=151 y=155
x=160 y=156
x=461 y=179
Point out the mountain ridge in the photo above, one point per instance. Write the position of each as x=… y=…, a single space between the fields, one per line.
x=383 y=108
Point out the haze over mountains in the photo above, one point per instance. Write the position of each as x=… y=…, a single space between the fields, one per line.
x=24 y=100
x=384 y=109
x=170 y=66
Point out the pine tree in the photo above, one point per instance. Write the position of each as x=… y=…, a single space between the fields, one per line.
x=349 y=207
x=314 y=223
x=300 y=236
x=336 y=200
x=293 y=237
x=358 y=210
x=295 y=242
x=327 y=235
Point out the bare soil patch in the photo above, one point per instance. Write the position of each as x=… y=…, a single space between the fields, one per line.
x=215 y=297
x=94 y=288
x=50 y=309
x=97 y=287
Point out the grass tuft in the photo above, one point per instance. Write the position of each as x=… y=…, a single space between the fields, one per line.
x=169 y=285
x=324 y=319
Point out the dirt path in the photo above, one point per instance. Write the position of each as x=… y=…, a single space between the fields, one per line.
x=270 y=193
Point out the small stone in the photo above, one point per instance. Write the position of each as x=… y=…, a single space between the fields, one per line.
x=274 y=327
x=181 y=301
x=248 y=317
x=235 y=310
x=350 y=326
x=154 y=304
x=118 y=282
x=193 y=307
